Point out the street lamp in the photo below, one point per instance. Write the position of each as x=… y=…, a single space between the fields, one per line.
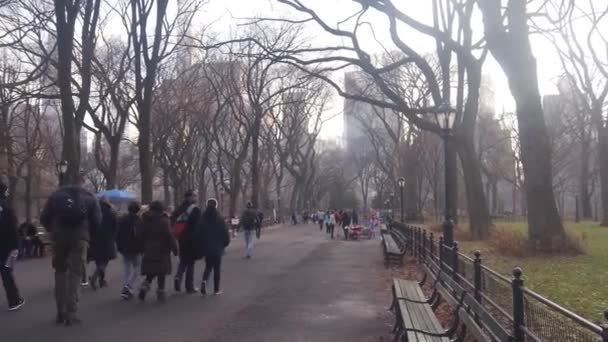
x=401 y=182
x=444 y=117
x=62 y=168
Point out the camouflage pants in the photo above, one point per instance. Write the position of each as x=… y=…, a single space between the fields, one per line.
x=69 y=258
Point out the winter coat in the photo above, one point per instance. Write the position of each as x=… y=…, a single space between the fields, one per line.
x=49 y=218
x=9 y=239
x=215 y=236
x=249 y=219
x=128 y=236
x=345 y=220
x=158 y=244
x=190 y=248
x=103 y=242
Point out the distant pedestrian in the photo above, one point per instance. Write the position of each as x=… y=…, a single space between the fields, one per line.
x=187 y=215
x=249 y=223
x=346 y=220
x=294 y=218
x=130 y=247
x=215 y=239
x=332 y=223
x=158 y=244
x=327 y=221
x=104 y=244
x=70 y=215
x=321 y=219
x=9 y=250
x=355 y=217
x=258 y=230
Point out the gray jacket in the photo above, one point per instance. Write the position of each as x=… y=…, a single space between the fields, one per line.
x=89 y=226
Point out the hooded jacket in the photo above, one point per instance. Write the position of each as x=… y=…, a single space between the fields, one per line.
x=215 y=236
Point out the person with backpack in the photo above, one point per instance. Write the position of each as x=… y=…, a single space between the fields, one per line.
x=129 y=246
x=186 y=217
x=158 y=244
x=9 y=250
x=215 y=239
x=71 y=214
x=249 y=223
x=104 y=244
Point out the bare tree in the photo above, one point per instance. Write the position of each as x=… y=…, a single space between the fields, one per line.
x=576 y=31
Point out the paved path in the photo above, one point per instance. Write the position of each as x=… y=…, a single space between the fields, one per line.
x=300 y=286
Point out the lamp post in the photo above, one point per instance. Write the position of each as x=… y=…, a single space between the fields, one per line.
x=444 y=117
x=401 y=182
x=62 y=168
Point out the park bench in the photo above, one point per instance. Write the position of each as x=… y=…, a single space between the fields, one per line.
x=394 y=250
x=416 y=319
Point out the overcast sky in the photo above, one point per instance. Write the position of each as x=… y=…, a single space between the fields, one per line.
x=221 y=12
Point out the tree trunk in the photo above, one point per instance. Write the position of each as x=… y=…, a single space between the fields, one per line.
x=255 y=160
x=602 y=150
x=452 y=171
x=585 y=195
x=112 y=176
x=166 y=188
x=66 y=18
x=511 y=48
x=479 y=215
x=28 y=191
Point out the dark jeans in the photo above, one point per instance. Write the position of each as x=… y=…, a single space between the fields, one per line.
x=8 y=280
x=100 y=271
x=160 y=281
x=320 y=225
x=331 y=229
x=213 y=263
x=187 y=267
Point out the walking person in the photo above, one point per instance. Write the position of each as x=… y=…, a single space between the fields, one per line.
x=327 y=221
x=186 y=215
x=215 y=239
x=104 y=244
x=158 y=244
x=321 y=219
x=332 y=223
x=249 y=223
x=130 y=248
x=9 y=250
x=258 y=229
x=346 y=220
x=70 y=215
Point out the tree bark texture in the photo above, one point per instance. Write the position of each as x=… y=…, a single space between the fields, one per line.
x=512 y=50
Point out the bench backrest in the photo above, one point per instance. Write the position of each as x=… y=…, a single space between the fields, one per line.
x=477 y=318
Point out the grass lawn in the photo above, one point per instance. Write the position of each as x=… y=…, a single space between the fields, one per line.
x=578 y=283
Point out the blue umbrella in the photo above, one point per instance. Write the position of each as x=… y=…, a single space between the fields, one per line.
x=117 y=195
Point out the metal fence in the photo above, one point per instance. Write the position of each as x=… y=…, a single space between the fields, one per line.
x=527 y=314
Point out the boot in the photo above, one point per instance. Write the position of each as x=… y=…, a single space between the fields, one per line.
x=93 y=281
x=160 y=295
x=204 y=288
x=177 y=283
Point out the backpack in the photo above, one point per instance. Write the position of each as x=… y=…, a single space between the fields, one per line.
x=249 y=220
x=70 y=210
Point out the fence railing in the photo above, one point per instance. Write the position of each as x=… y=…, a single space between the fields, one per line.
x=530 y=316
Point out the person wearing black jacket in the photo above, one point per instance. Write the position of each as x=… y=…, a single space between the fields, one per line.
x=104 y=244
x=9 y=250
x=215 y=239
x=130 y=247
x=187 y=213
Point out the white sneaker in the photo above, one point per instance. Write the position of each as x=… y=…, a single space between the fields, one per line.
x=218 y=293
